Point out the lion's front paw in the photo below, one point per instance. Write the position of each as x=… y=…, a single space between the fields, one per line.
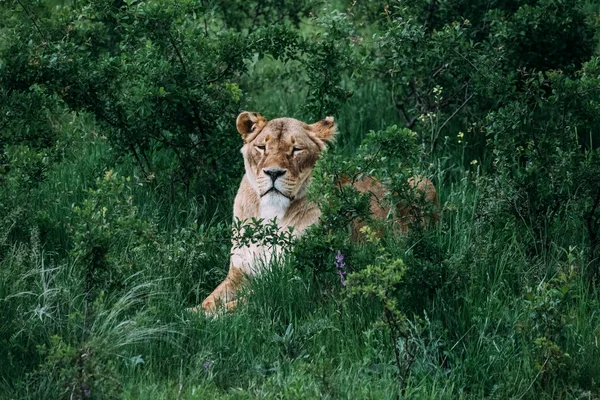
x=214 y=308
x=231 y=305
x=208 y=306
x=193 y=309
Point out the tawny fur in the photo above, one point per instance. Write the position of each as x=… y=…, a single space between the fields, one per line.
x=281 y=154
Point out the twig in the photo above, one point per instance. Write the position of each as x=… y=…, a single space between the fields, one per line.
x=394 y=338
x=534 y=379
x=409 y=123
x=437 y=135
x=219 y=76
x=177 y=52
x=137 y=158
x=32 y=20
x=204 y=18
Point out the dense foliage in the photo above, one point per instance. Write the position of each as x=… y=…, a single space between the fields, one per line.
x=119 y=160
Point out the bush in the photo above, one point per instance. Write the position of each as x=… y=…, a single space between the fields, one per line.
x=544 y=147
x=495 y=101
x=450 y=63
x=105 y=228
x=159 y=77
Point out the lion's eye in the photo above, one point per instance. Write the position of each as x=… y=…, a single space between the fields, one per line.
x=261 y=148
x=296 y=150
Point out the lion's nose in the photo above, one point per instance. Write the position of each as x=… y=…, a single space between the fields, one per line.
x=274 y=173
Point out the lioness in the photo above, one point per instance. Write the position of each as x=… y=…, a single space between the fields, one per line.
x=279 y=156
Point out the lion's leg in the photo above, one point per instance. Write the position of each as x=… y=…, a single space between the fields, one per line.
x=226 y=293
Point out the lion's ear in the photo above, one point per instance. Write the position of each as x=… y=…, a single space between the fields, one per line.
x=324 y=130
x=249 y=123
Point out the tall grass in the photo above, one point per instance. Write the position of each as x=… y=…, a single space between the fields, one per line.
x=294 y=337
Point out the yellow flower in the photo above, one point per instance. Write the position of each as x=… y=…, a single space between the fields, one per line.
x=474 y=162
x=108 y=175
x=460 y=134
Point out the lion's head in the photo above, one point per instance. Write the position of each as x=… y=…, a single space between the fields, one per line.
x=279 y=156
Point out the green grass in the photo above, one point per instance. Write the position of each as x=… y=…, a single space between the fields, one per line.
x=295 y=337
x=369 y=108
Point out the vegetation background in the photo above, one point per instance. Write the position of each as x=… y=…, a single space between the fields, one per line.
x=119 y=161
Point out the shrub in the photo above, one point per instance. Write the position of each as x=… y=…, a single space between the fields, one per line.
x=544 y=148
x=451 y=62
x=162 y=77
x=107 y=233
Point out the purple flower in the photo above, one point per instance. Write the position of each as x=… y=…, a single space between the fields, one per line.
x=340 y=265
x=86 y=390
x=207 y=365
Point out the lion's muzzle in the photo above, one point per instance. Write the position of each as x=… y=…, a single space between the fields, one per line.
x=274 y=173
x=277 y=182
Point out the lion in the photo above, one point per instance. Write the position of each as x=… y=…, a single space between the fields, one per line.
x=279 y=157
